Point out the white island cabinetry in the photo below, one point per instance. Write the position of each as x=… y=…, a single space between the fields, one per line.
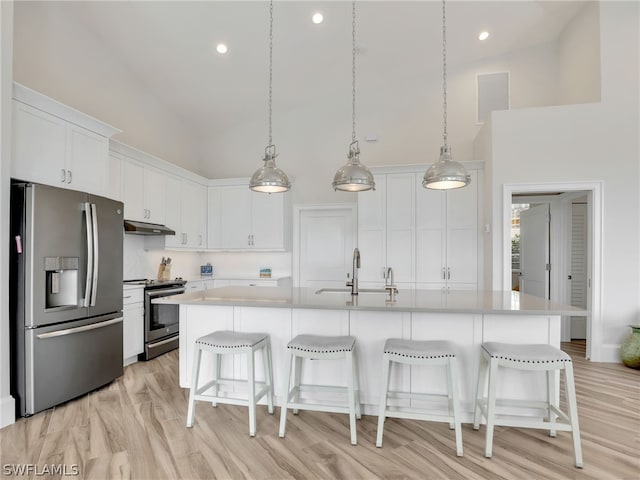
x=466 y=318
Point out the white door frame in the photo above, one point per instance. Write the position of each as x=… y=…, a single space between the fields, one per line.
x=594 y=304
x=297 y=212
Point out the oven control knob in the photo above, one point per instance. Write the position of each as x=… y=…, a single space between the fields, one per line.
x=167 y=329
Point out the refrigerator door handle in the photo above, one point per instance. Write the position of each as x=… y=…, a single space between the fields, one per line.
x=94 y=282
x=89 y=281
x=71 y=331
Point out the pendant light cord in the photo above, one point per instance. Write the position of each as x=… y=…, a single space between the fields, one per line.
x=353 y=72
x=270 y=69
x=444 y=72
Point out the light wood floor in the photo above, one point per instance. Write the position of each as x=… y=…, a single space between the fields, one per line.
x=134 y=428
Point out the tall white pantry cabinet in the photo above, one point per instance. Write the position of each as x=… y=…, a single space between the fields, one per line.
x=431 y=239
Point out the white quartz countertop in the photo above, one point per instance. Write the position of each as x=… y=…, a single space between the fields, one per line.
x=235 y=277
x=429 y=301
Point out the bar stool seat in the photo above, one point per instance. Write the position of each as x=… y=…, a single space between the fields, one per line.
x=320 y=347
x=540 y=357
x=420 y=352
x=225 y=342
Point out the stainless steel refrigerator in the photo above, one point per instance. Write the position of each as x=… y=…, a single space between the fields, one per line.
x=65 y=294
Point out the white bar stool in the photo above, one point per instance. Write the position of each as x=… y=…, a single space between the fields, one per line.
x=319 y=347
x=541 y=357
x=224 y=342
x=417 y=352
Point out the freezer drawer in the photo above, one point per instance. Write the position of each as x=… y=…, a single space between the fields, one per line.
x=63 y=362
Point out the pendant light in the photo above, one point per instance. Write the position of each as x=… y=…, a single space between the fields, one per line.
x=354 y=176
x=445 y=174
x=269 y=178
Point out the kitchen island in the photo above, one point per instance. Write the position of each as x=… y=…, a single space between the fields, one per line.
x=463 y=317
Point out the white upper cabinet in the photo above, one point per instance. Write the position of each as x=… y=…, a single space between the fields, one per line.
x=429 y=238
x=386 y=229
x=57 y=145
x=447 y=236
x=240 y=219
x=194 y=215
x=186 y=213
x=144 y=192
x=116 y=165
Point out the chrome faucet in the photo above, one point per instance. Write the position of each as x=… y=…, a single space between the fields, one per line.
x=389 y=286
x=353 y=283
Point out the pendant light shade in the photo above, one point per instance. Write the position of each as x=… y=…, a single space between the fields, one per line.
x=354 y=176
x=445 y=174
x=269 y=178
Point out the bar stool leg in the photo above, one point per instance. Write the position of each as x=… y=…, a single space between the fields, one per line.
x=268 y=374
x=251 y=377
x=480 y=386
x=452 y=425
x=386 y=363
x=357 y=384
x=453 y=389
x=551 y=399
x=491 y=407
x=217 y=359
x=297 y=374
x=285 y=400
x=195 y=371
x=572 y=406
x=352 y=397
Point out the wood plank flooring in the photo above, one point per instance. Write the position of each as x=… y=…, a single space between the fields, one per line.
x=134 y=429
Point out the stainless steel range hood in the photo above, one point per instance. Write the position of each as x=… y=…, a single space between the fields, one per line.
x=142 y=228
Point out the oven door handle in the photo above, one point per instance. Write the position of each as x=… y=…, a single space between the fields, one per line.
x=162 y=293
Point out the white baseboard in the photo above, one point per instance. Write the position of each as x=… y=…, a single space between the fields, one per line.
x=609 y=353
x=7 y=411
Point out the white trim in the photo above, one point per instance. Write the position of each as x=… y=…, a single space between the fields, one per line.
x=610 y=353
x=595 y=347
x=419 y=167
x=7 y=411
x=127 y=152
x=297 y=211
x=46 y=104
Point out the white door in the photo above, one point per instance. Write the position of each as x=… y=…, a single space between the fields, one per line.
x=326 y=246
x=87 y=154
x=579 y=268
x=155 y=188
x=133 y=192
x=235 y=217
x=173 y=213
x=534 y=251
x=267 y=220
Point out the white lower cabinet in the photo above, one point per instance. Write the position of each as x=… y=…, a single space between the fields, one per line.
x=133 y=325
x=198 y=285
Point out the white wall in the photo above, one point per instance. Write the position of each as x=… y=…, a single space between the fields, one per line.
x=589 y=142
x=406 y=116
x=7 y=411
x=55 y=54
x=579 y=58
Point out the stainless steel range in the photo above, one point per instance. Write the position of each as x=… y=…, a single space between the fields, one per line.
x=161 y=322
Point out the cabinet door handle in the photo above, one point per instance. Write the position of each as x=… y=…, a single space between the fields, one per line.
x=63 y=175
x=448 y=273
x=184 y=239
x=199 y=239
x=443 y=274
x=69 y=177
x=252 y=240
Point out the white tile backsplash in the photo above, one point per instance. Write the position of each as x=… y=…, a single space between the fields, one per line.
x=140 y=262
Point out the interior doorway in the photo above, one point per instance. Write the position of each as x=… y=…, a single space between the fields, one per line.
x=575 y=225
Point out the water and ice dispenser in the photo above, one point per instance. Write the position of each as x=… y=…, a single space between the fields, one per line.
x=62 y=281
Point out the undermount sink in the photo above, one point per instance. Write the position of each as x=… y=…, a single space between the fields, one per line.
x=348 y=290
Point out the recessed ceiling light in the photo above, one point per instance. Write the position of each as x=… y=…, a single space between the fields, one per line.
x=221 y=48
x=317 y=18
x=483 y=35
